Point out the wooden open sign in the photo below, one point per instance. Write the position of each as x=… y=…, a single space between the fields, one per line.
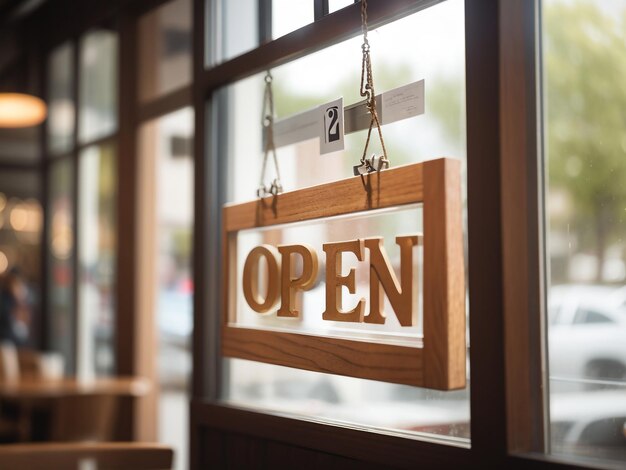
x=440 y=363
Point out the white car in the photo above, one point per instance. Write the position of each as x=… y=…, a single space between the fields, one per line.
x=587 y=337
x=589 y=423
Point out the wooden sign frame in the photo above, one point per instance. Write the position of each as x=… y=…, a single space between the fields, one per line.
x=440 y=363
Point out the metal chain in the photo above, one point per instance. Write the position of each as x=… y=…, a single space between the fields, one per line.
x=375 y=162
x=268 y=131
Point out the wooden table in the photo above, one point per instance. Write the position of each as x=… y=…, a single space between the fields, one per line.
x=129 y=455
x=70 y=399
x=67 y=387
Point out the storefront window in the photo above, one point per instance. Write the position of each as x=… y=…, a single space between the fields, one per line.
x=584 y=62
x=97 y=85
x=96 y=257
x=289 y=15
x=164 y=49
x=167 y=183
x=62 y=111
x=60 y=246
x=300 y=86
x=334 y=5
x=236 y=29
x=20 y=244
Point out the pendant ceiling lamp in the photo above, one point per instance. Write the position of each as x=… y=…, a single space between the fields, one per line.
x=21 y=110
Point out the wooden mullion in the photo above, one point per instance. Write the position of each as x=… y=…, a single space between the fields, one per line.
x=264 y=19
x=320 y=9
x=44 y=323
x=205 y=375
x=333 y=28
x=165 y=104
x=73 y=367
x=486 y=287
x=522 y=227
x=205 y=356
x=106 y=139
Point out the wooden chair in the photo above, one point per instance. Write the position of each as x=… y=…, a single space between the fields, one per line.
x=84 y=418
x=39 y=365
x=29 y=364
x=106 y=455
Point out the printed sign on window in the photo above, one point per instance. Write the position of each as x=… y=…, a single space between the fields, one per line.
x=331 y=124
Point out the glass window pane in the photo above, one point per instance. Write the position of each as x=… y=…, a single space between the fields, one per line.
x=98 y=85
x=440 y=131
x=164 y=49
x=61 y=112
x=20 y=263
x=289 y=15
x=584 y=62
x=96 y=259
x=334 y=5
x=20 y=146
x=60 y=247
x=236 y=24
x=167 y=183
x=236 y=28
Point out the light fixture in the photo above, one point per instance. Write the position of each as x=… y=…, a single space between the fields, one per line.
x=21 y=110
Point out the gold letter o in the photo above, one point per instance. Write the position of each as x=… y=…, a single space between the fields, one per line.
x=251 y=278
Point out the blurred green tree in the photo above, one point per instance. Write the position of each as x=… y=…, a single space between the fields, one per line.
x=585 y=104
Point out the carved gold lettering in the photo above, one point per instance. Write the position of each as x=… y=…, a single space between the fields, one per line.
x=335 y=281
x=251 y=278
x=382 y=277
x=289 y=299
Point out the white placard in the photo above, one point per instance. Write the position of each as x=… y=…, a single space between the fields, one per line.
x=331 y=126
x=403 y=102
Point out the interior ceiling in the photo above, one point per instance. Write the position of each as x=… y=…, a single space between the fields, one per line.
x=13 y=10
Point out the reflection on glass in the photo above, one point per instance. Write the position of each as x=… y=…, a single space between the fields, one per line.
x=584 y=65
x=61 y=111
x=97 y=85
x=164 y=49
x=377 y=405
x=289 y=15
x=436 y=54
x=96 y=258
x=236 y=28
x=167 y=167
x=60 y=247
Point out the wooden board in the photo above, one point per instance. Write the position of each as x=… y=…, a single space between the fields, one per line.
x=61 y=455
x=440 y=364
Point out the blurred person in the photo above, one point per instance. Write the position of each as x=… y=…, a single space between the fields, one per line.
x=15 y=311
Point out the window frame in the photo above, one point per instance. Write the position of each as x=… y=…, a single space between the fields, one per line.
x=506 y=246
x=55 y=26
x=505 y=205
x=72 y=153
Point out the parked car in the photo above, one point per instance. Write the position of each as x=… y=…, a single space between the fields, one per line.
x=174 y=322
x=589 y=423
x=587 y=337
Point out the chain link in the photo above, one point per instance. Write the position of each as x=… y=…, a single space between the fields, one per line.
x=268 y=131
x=375 y=162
